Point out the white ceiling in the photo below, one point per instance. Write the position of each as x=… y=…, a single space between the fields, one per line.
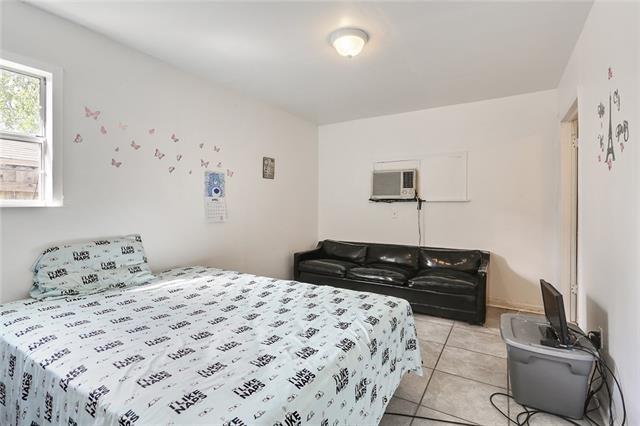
x=420 y=54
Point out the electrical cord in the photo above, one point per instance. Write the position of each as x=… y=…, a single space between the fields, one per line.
x=601 y=363
x=526 y=414
x=419 y=208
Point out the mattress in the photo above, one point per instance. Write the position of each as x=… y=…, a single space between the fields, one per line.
x=205 y=346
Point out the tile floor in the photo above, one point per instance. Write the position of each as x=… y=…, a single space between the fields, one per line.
x=462 y=366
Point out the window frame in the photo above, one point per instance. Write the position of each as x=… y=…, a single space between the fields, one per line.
x=50 y=176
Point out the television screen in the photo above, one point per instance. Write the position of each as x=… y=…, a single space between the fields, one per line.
x=554 y=311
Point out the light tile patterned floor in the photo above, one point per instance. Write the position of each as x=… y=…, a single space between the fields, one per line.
x=462 y=366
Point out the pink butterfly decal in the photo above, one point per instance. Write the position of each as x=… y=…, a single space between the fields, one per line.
x=610 y=73
x=158 y=154
x=103 y=130
x=117 y=149
x=91 y=114
x=201 y=145
x=152 y=131
x=204 y=163
x=174 y=138
x=116 y=163
x=190 y=171
x=610 y=164
x=178 y=157
x=134 y=145
x=123 y=126
x=621 y=147
x=219 y=165
x=216 y=148
x=78 y=138
x=229 y=173
x=171 y=169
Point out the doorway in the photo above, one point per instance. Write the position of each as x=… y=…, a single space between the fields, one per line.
x=570 y=203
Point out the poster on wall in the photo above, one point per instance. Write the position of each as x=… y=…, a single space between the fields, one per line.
x=215 y=205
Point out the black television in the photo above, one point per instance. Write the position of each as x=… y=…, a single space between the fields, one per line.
x=554 y=311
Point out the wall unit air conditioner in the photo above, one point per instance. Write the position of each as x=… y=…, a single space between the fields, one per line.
x=394 y=184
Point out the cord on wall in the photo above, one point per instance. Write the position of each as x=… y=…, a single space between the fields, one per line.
x=419 y=201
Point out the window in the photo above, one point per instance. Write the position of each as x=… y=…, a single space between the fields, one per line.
x=26 y=135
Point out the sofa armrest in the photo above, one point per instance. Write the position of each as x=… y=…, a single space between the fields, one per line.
x=298 y=257
x=483 y=271
x=484 y=264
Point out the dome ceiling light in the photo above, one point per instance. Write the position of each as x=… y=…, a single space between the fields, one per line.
x=349 y=41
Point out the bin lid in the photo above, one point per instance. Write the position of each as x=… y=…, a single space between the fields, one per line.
x=525 y=332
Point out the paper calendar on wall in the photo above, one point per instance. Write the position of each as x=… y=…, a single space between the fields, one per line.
x=215 y=204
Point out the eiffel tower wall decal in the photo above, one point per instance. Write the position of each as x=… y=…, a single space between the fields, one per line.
x=615 y=120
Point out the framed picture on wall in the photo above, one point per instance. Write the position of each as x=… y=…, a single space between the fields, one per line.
x=268 y=168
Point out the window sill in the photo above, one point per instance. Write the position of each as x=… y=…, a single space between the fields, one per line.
x=28 y=203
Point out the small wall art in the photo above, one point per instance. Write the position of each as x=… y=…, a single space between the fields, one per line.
x=614 y=134
x=268 y=168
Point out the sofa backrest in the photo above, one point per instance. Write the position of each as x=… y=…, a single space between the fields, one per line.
x=356 y=253
x=461 y=260
x=399 y=255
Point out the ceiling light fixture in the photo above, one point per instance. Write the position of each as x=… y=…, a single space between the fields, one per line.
x=348 y=41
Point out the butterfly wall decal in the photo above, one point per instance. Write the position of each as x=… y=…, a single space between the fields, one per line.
x=201 y=145
x=116 y=163
x=78 y=138
x=190 y=171
x=230 y=173
x=204 y=163
x=174 y=138
x=152 y=131
x=178 y=157
x=219 y=165
x=171 y=169
x=158 y=154
x=103 y=130
x=122 y=126
x=134 y=145
x=216 y=148
x=117 y=149
x=91 y=114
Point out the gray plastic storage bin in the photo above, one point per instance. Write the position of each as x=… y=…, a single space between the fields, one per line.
x=542 y=377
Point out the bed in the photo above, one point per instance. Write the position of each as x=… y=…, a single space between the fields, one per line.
x=205 y=346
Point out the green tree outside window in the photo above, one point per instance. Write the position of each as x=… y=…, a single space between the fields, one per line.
x=20 y=103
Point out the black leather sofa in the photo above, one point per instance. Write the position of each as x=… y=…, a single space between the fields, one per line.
x=449 y=283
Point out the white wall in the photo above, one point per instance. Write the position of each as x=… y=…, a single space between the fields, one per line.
x=609 y=232
x=268 y=220
x=512 y=186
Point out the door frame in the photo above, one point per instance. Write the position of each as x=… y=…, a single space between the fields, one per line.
x=570 y=210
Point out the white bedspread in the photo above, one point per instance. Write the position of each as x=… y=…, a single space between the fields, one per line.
x=205 y=346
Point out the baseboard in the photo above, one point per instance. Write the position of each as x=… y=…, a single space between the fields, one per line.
x=522 y=307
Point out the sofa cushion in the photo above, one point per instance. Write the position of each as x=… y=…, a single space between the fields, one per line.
x=386 y=276
x=401 y=269
x=334 y=267
x=399 y=255
x=345 y=251
x=445 y=281
x=460 y=260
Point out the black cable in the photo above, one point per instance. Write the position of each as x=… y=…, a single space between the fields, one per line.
x=617 y=383
x=431 y=418
x=419 y=229
x=528 y=415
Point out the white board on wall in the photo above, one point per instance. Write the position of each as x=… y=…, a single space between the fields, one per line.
x=441 y=177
